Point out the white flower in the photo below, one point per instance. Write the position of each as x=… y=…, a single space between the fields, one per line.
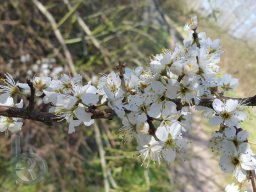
x=232 y=188
x=11 y=124
x=149 y=148
x=115 y=101
x=237 y=138
x=135 y=124
x=160 y=100
x=69 y=82
x=68 y=109
x=211 y=48
x=65 y=85
x=65 y=107
x=40 y=84
x=129 y=122
x=137 y=104
x=112 y=82
x=84 y=116
x=160 y=61
x=227 y=82
x=227 y=112
x=191 y=67
x=66 y=102
x=11 y=88
x=110 y=87
x=237 y=163
x=132 y=81
x=207 y=68
x=87 y=94
x=145 y=76
x=172 y=139
x=216 y=142
x=187 y=64
x=187 y=90
x=53 y=91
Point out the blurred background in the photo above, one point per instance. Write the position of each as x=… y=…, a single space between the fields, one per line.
x=48 y=37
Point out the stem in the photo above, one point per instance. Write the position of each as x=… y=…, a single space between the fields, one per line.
x=252 y=177
x=102 y=157
x=107 y=113
x=31 y=104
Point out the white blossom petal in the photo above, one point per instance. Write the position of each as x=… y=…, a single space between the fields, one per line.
x=169 y=155
x=162 y=133
x=226 y=164
x=231 y=105
x=72 y=125
x=218 y=105
x=239 y=174
x=90 y=99
x=155 y=110
x=230 y=133
x=84 y=116
x=242 y=136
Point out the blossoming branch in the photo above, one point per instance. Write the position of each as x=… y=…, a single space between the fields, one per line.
x=154 y=103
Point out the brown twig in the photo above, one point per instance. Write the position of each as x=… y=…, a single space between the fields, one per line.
x=252 y=178
x=196 y=39
x=45 y=116
x=105 y=113
x=31 y=100
x=121 y=67
x=152 y=128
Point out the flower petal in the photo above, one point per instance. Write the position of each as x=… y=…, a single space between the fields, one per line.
x=169 y=155
x=226 y=164
x=231 y=105
x=162 y=133
x=90 y=99
x=172 y=89
x=155 y=110
x=16 y=126
x=84 y=116
x=218 y=105
x=175 y=130
x=239 y=174
x=158 y=87
x=248 y=162
x=242 y=136
x=216 y=120
x=230 y=133
x=72 y=125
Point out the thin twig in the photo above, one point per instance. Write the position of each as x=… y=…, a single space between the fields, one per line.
x=102 y=157
x=45 y=116
x=252 y=178
x=31 y=99
x=121 y=67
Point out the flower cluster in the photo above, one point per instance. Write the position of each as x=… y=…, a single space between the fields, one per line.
x=154 y=103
